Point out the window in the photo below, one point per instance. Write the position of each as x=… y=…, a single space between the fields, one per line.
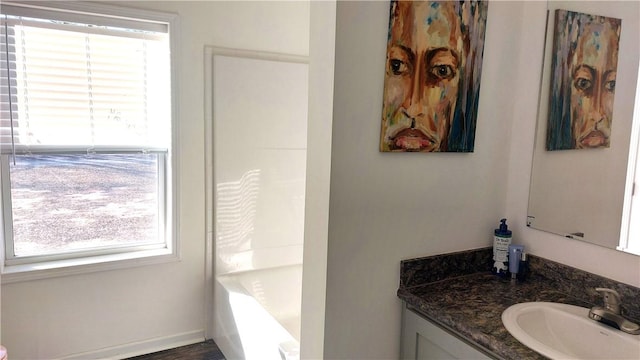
x=85 y=133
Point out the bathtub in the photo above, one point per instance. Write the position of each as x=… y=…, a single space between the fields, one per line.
x=258 y=313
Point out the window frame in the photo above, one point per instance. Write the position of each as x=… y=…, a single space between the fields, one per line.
x=91 y=260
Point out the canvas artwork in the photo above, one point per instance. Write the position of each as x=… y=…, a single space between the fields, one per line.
x=583 y=80
x=432 y=75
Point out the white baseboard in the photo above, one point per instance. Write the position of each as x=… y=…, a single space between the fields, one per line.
x=140 y=347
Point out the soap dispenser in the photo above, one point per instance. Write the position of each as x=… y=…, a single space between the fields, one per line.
x=501 y=242
x=515 y=256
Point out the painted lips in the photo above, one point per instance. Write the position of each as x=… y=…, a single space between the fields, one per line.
x=412 y=140
x=593 y=139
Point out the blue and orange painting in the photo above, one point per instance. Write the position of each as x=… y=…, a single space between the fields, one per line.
x=583 y=80
x=432 y=75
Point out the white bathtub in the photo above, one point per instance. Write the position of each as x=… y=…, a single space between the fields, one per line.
x=258 y=313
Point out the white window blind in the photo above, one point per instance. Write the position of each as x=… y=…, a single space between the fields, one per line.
x=75 y=83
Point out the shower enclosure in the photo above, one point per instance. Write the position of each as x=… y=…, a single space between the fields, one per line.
x=256 y=167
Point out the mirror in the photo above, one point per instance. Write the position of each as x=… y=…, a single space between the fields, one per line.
x=580 y=193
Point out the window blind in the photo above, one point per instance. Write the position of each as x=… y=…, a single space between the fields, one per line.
x=82 y=86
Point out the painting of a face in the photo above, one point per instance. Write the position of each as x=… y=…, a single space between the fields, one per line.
x=424 y=71
x=586 y=51
x=593 y=85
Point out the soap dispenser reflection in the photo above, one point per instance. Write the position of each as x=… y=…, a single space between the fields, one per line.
x=523 y=272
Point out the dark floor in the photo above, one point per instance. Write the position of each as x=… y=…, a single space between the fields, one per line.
x=207 y=350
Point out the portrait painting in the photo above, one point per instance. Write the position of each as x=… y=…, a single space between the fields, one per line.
x=432 y=75
x=583 y=80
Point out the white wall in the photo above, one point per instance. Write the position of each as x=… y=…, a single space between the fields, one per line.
x=321 y=84
x=388 y=207
x=84 y=313
x=260 y=160
x=385 y=207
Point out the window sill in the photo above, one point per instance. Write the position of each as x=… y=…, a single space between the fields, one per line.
x=67 y=267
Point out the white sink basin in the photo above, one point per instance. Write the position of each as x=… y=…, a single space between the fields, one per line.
x=561 y=331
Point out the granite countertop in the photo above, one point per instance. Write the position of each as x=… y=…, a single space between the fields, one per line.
x=458 y=292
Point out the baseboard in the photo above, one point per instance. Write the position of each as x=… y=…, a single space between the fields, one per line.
x=140 y=347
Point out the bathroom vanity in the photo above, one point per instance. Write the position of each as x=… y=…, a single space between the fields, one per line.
x=452 y=303
x=422 y=339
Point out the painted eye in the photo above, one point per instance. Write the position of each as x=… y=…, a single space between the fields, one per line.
x=397 y=67
x=442 y=71
x=582 y=84
x=610 y=85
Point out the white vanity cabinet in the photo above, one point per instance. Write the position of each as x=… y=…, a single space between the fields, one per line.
x=422 y=339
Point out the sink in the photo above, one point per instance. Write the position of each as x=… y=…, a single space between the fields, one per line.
x=562 y=331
